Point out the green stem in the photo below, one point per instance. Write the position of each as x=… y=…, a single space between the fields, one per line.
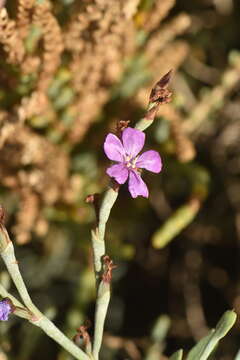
x=98 y=245
x=98 y=252
x=145 y=122
x=103 y=298
x=11 y=263
x=108 y=201
x=52 y=331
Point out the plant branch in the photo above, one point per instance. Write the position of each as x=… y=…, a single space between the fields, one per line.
x=98 y=245
x=37 y=318
x=159 y=95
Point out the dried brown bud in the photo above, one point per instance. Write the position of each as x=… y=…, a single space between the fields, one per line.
x=160 y=93
x=94 y=199
x=108 y=267
x=91 y=198
x=121 y=125
x=164 y=81
x=83 y=335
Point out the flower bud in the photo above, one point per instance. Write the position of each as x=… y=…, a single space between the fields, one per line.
x=6 y=308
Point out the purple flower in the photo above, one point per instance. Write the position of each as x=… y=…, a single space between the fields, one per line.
x=125 y=153
x=5 y=309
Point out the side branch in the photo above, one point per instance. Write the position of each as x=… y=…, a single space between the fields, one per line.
x=36 y=317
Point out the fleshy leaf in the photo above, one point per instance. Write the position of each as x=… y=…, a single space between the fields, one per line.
x=237 y=357
x=177 y=355
x=206 y=345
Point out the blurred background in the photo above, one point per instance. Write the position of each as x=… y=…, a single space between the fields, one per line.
x=69 y=70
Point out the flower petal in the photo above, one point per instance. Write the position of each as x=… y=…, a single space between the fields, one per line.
x=113 y=148
x=150 y=160
x=136 y=185
x=133 y=141
x=119 y=172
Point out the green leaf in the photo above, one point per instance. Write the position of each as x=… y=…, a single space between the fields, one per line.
x=206 y=345
x=177 y=355
x=160 y=329
x=180 y=219
x=237 y=357
x=158 y=336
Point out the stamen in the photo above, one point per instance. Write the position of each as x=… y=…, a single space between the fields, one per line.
x=131 y=162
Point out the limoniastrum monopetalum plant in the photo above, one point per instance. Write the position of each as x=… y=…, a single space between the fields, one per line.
x=123 y=149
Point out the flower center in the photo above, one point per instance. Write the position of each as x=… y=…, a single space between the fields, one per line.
x=131 y=162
